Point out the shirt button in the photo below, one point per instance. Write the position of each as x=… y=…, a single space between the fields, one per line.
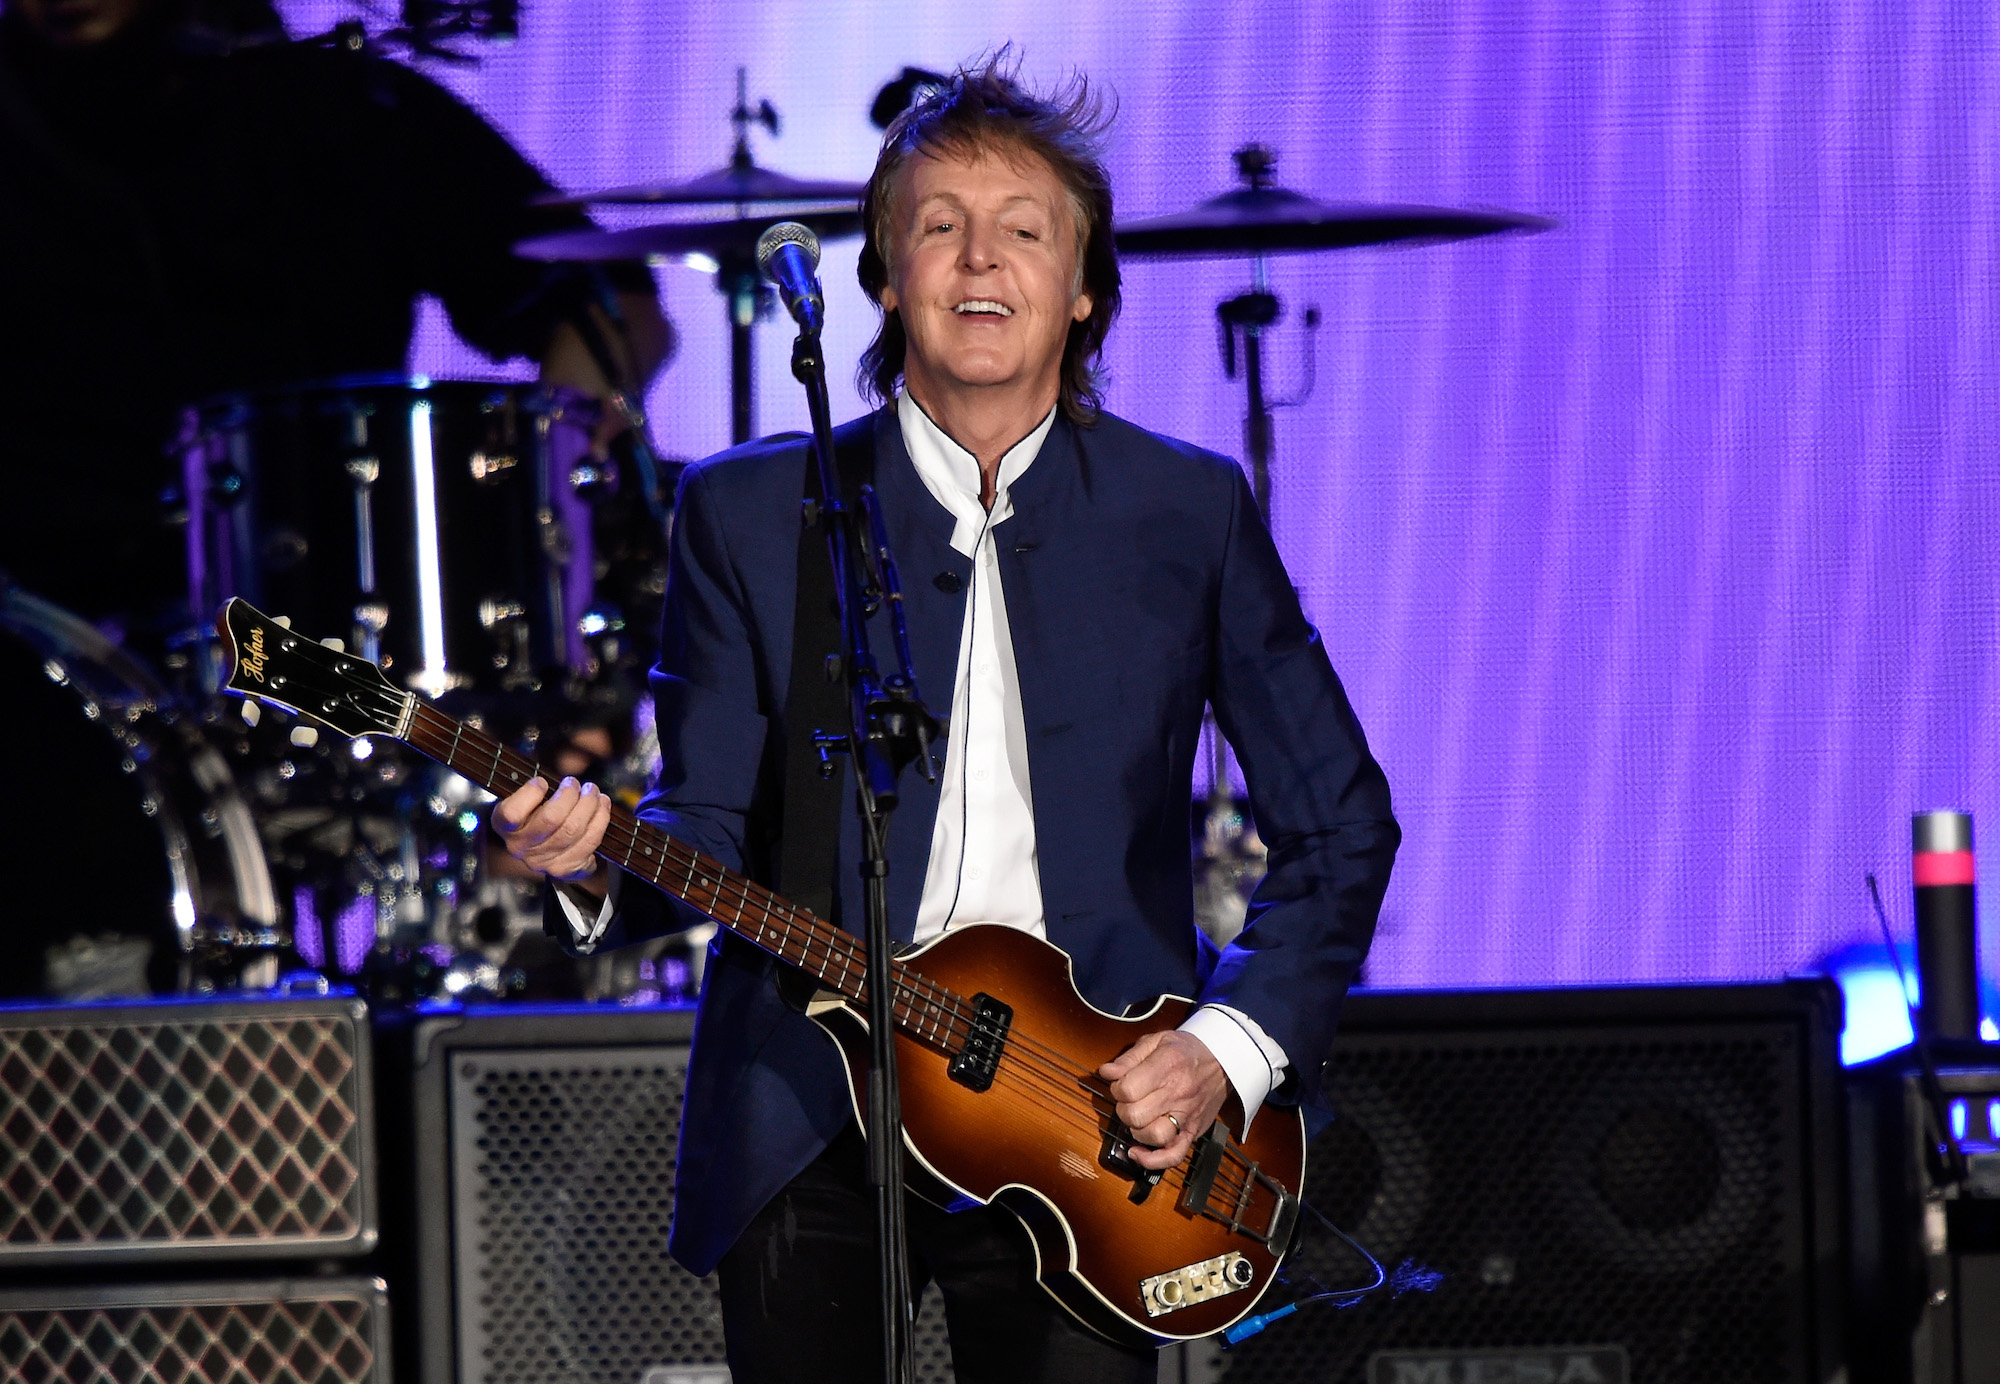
x=985 y=665
x=982 y=775
x=972 y=872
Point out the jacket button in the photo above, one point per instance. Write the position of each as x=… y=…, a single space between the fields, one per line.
x=948 y=582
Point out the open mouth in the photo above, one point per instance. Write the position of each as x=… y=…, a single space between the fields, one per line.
x=983 y=307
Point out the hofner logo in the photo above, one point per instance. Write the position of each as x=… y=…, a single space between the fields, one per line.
x=1546 y=1365
x=253 y=654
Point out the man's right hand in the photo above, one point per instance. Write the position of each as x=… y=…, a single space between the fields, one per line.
x=556 y=834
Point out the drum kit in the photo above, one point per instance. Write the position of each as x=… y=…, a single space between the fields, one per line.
x=454 y=532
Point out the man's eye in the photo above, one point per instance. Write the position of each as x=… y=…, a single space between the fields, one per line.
x=943 y=226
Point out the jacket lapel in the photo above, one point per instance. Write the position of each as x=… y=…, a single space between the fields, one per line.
x=1045 y=553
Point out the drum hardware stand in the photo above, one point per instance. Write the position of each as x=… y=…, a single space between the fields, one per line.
x=364 y=470
x=889 y=729
x=551 y=648
x=1253 y=314
x=737 y=277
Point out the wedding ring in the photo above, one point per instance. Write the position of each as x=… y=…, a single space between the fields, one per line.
x=1176 y=1123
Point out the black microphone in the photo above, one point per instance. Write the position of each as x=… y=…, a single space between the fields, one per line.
x=788 y=254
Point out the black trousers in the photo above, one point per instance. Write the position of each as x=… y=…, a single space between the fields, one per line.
x=799 y=1291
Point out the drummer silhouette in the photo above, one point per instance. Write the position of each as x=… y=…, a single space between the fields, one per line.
x=208 y=206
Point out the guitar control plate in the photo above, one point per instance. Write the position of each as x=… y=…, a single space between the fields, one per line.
x=1210 y=1279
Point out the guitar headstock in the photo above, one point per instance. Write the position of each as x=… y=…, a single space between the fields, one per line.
x=281 y=668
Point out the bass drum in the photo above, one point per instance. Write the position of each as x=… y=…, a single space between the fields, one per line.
x=135 y=866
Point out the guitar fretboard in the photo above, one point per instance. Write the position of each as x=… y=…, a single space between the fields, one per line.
x=793 y=934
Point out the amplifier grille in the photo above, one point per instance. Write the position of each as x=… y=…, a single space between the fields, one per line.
x=124 y=1139
x=562 y=1192
x=278 y=1334
x=563 y=1183
x=1617 y=1188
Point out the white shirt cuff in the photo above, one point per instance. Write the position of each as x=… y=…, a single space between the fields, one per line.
x=587 y=917
x=1253 y=1063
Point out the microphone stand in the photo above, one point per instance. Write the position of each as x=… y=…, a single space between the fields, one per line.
x=889 y=728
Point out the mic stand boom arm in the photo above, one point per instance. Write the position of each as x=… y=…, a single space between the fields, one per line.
x=889 y=728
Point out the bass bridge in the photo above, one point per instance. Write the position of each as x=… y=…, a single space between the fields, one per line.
x=1230 y=1199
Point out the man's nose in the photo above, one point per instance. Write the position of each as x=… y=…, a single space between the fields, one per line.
x=982 y=248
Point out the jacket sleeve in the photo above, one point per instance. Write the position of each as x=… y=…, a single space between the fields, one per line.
x=1320 y=802
x=705 y=699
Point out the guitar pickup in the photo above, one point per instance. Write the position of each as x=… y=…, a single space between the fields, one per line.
x=1117 y=1156
x=974 y=1064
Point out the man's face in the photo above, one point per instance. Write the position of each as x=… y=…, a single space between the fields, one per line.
x=78 y=23
x=983 y=269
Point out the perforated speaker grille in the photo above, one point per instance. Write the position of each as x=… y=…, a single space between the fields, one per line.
x=236 y=1129
x=324 y=1332
x=1641 y=1188
x=562 y=1191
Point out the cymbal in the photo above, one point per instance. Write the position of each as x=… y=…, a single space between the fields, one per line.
x=740 y=182
x=732 y=239
x=1276 y=221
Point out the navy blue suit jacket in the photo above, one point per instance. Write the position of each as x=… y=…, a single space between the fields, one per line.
x=1140 y=583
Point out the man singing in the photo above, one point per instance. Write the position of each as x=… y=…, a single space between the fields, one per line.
x=1095 y=586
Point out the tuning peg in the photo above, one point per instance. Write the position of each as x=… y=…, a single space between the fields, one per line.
x=305 y=737
x=253 y=712
x=282 y=621
x=338 y=646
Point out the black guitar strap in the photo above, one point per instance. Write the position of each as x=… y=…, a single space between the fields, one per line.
x=809 y=837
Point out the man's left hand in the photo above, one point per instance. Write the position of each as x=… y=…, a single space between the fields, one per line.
x=1161 y=1075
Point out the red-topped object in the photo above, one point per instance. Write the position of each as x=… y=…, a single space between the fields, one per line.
x=1947 y=945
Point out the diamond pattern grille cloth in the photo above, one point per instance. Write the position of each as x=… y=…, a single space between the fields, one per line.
x=177 y=1134
x=311 y=1341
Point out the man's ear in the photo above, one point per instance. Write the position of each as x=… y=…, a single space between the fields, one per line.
x=1081 y=312
x=888 y=298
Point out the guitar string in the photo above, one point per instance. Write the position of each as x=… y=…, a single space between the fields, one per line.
x=1058 y=1073
x=1057 y=1070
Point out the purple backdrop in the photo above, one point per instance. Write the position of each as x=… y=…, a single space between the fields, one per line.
x=1658 y=552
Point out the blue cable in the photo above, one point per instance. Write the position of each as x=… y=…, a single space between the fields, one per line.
x=1408 y=1278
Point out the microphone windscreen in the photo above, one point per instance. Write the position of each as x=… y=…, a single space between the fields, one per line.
x=786 y=233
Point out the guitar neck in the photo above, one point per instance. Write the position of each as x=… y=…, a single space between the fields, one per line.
x=745 y=907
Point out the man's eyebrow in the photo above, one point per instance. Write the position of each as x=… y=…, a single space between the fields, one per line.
x=952 y=199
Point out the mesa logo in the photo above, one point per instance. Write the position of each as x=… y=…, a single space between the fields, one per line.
x=1540 y=1365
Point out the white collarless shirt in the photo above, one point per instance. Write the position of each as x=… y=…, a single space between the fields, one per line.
x=982 y=866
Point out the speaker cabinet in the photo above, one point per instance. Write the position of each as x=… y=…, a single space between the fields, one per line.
x=1615 y=1184
x=198 y=1130
x=298 y=1331
x=545 y=1144
x=1926 y=1286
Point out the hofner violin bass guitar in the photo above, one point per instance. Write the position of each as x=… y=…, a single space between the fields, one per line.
x=996 y=1051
